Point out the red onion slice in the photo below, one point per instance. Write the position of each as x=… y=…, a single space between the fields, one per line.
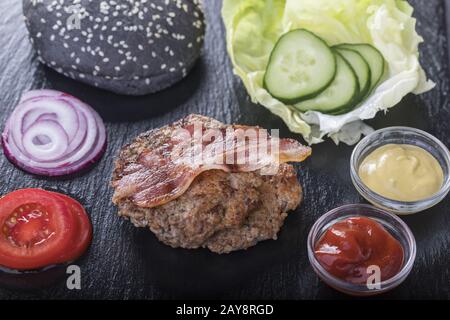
x=52 y=133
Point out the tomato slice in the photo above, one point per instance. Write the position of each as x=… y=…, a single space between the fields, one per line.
x=83 y=237
x=36 y=228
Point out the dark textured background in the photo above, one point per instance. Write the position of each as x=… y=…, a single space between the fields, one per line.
x=128 y=263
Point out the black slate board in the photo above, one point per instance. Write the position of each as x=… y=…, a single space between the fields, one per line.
x=447 y=18
x=128 y=263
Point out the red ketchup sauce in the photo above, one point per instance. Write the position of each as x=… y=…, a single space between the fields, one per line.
x=350 y=246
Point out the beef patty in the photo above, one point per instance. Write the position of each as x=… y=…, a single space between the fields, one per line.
x=222 y=211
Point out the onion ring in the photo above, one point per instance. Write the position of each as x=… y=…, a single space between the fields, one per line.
x=52 y=133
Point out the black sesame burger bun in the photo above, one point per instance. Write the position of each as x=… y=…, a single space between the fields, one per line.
x=132 y=47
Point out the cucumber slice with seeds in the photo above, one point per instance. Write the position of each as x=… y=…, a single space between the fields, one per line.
x=300 y=67
x=339 y=95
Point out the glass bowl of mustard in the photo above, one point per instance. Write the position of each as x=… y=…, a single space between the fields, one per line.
x=401 y=169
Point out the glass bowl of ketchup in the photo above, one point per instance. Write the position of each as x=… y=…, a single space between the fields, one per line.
x=361 y=250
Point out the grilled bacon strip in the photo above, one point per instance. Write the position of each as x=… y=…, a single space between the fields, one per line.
x=167 y=161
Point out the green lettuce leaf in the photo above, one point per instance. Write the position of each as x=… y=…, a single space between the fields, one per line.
x=254 y=26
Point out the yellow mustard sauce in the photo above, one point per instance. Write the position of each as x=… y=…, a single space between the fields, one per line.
x=402 y=172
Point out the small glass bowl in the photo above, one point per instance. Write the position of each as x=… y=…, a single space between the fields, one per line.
x=393 y=224
x=400 y=135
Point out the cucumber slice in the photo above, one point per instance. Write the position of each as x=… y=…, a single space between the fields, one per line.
x=361 y=68
x=373 y=57
x=300 y=67
x=339 y=95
